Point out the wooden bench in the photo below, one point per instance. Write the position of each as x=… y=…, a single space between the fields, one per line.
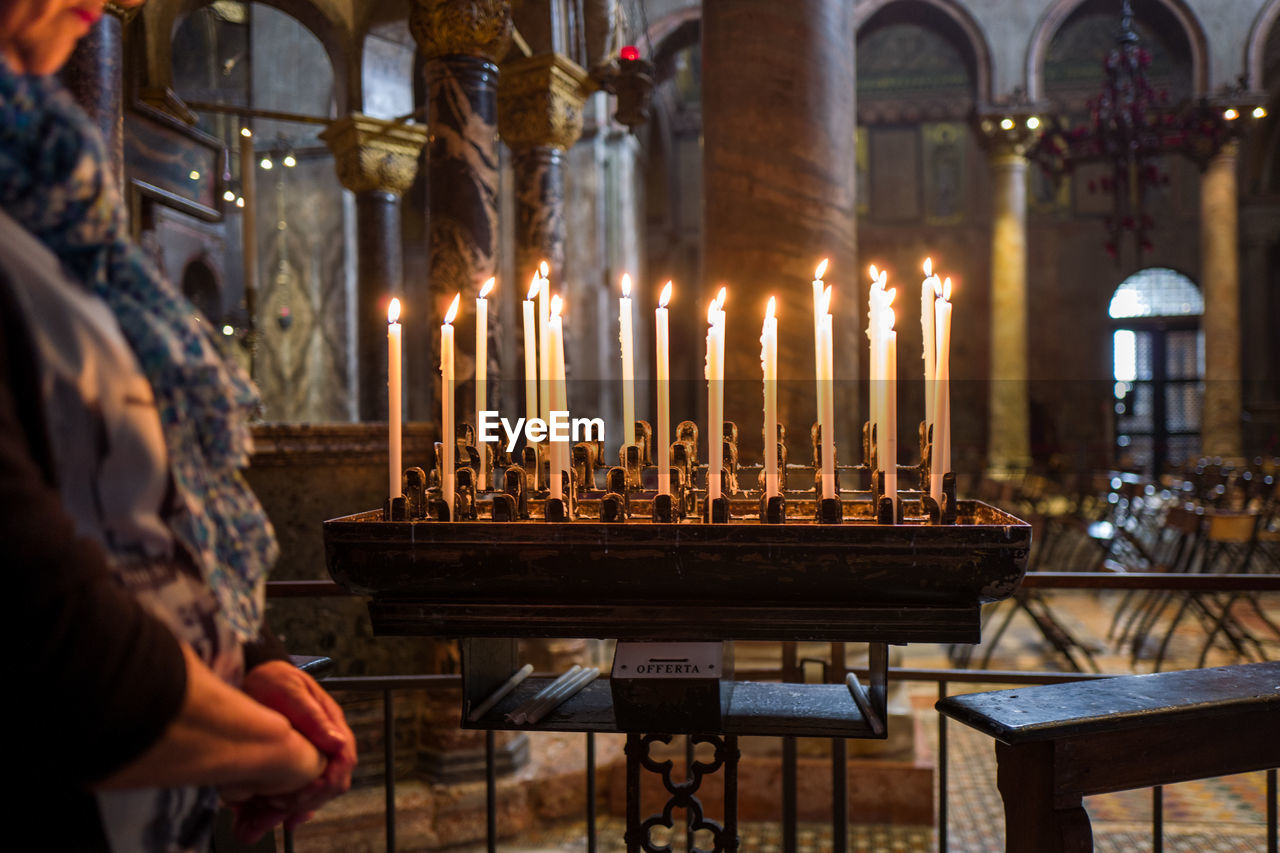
x=1057 y=743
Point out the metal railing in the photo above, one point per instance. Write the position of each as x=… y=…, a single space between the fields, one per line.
x=792 y=670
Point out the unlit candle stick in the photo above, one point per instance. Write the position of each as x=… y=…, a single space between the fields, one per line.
x=521 y=712
x=496 y=696
x=564 y=694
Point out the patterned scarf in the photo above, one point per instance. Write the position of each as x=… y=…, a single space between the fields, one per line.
x=54 y=180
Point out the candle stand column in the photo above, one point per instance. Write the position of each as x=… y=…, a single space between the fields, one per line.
x=462 y=41
x=540 y=101
x=1009 y=410
x=377 y=160
x=1220 y=280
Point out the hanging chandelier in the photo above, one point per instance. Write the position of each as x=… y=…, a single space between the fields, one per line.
x=1130 y=127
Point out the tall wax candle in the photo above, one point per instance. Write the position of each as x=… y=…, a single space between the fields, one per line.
x=544 y=345
x=715 y=394
x=662 y=440
x=874 y=314
x=927 y=336
x=395 y=404
x=769 y=366
x=889 y=404
x=628 y=364
x=826 y=398
x=818 y=287
x=531 y=351
x=482 y=366
x=447 y=430
x=941 y=392
x=558 y=402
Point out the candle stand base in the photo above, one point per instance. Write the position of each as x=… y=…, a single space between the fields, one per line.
x=716 y=511
x=773 y=510
x=664 y=509
x=830 y=511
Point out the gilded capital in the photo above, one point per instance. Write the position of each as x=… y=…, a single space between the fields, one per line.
x=540 y=100
x=480 y=28
x=375 y=154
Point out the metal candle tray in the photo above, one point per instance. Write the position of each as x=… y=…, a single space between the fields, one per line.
x=691 y=580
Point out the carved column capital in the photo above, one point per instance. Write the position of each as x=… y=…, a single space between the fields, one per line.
x=375 y=154
x=480 y=28
x=1009 y=135
x=540 y=100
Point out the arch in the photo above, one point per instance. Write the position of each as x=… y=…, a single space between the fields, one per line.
x=1156 y=292
x=203 y=290
x=1255 y=46
x=958 y=15
x=670 y=25
x=1058 y=12
x=323 y=23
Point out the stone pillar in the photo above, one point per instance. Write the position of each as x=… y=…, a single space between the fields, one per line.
x=1009 y=410
x=94 y=75
x=1220 y=279
x=540 y=105
x=462 y=41
x=377 y=161
x=778 y=164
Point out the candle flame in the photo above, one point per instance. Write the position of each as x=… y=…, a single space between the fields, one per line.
x=883 y=280
x=626 y=284
x=665 y=297
x=821 y=270
x=875 y=273
x=720 y=297
x=533 y=288
x=488 y=286
x=771 y=309
x=453 y=309
x=712 y=311
x=946 y=289
x=544 y=270
x=825 y=306
x=937 y=287
x=888 y=296
x=928 y=267
x=393 y=311
x=556 y=303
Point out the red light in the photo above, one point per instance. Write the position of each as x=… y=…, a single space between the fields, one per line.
x=629 y=53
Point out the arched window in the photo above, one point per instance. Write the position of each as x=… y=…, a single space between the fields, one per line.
x=1158 y=366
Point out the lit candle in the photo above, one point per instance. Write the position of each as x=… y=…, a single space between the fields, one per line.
x=817 y=318
x=628 y=364
x=394 y=404
x=662 y=440
x=769 y=365
x=559 y=449
x=826 y=398
x=544 y=345
x=875 y=373
x=531 y=351
x=715 y=394
x=926 y=335
x=447 y=431
x=941 y=391
x=889 y=402
x=482 y=367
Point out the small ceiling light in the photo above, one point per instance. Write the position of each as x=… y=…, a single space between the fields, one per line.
x=1231 y=114
x=1259 y=112
x=266 y=163
x=1006 y=124
x=194 y=175
x=228 y=330
x=240 y=201
x=290 y=161
x=1033 y=122
x=246 y=133
x=228 y=196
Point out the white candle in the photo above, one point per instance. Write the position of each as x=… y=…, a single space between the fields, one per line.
x=889 y=403
x=559 y=449
x=544 y=345
x=941 y=392
x=447 y=430
x=826 y=398
x=628 y=364
x=876 y=373
x=715 y=394
x=818 y=288
x=394 y=402
x=531 y=351
x=663 y=437
x=769 y=366
x=927 y=336
x=482 y=370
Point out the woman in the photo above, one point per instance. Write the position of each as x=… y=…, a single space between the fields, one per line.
x=136 y=552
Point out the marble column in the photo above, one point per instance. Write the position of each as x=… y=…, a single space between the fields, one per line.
x=1009 y=410
x=1220 y=280
x=376 y=160
x=462 y=41
x=540 y=103
x=94 y=75
x=778 y=117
